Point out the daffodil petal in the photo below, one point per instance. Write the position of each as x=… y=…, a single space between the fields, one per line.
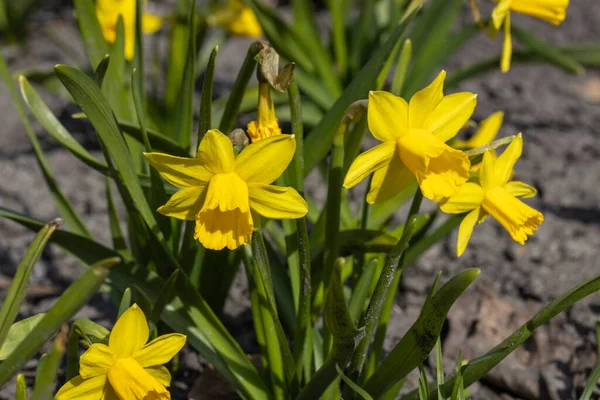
x=469 y=196
x=265 y=160
x=488 y=129
x=109 y=393
x=388 y=181
x=277 y=202
x=130 y=333
x=161 y=374
x=488 y=170
x=425 y=101
x=216 y=152
x=179 y=171
x=96 y=361
x=552 y=11
x=185 y=203
x=465 y=230
x=387 y=116
x=151 y=23
x=369 y=161
x=507 y=46
x=507 y=160
x=160 y=351
x=82 y=389
x=521 y=189
x=500 y=12
x=450 y=115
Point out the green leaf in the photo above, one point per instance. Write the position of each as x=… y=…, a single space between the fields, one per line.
x=429 y=38
x=93 y=39
x=591 y=383
x=540 y=47
x=125 y=302
x=357 y=389
x=16 y=292
x=184 y=110
x=439 y=366
x=232 y=107
x=17 y=332
x=45 y=379
x=362 y=290
x=345 y=337
x=205 y=122
x=52 y=125
x=318 y=142
x=423 y=386
x=94 y=104
x=100 y=71
x=66 y=209
x=417 y=343
x=402 y=67
x=75 y=297
x=195 y=319
x=158 y=141
x=164 y=297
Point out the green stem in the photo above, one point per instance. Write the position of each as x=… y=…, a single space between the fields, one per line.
x=232 y=107
x=205 y=122
x=386 y=278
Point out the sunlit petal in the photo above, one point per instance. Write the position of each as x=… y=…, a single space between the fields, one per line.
x=265 y=160
x=130 y=332
x=388 y=181
x=216 y=152
x=521 y=189
x=369 y=161
x=160 y=350
x=506 y=161
x=450 y=115
x=469 y=196
x=276 y=201
x=465 y=230
x=387 y=116
x=161 y=374
x=487 y=172
x=552 y=11
x=96 y=361
x=425 y=101
x=185 y=204
x=82 y=389
x=179 y=171
x=488 y=129
x=151 y=23
x=507 y=46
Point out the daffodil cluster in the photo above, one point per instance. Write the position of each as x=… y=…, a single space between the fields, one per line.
x=414 y=137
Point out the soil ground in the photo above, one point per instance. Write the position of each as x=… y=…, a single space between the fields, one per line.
x=559 y=115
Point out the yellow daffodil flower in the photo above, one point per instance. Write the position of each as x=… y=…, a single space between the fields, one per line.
x=220 y=191
x=266 y=124
x=128 y=368
x=108 y=12
x=237 y=19
x=552 y=11
x=487 y=131
x=414 y=137
x=494 y=195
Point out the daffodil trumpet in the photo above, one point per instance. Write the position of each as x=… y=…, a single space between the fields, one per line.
x=127 y=368
x=414 y=137
x=494 y=194
x=224 y=193
x=266 y=124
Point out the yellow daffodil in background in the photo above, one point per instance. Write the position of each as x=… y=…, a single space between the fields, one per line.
x=414 y=136
x=220 y=191
x=552 y=11
x=266 y=124
x=128 y=368
x=237 y=19
x=487 y=131
x=494 y=195
x=108 y=12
